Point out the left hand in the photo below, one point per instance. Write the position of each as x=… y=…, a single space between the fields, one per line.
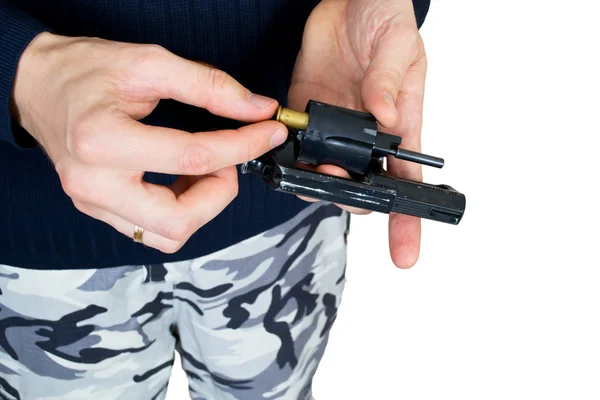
x=368 y=55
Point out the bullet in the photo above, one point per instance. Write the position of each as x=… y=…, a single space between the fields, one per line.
x=292 y=119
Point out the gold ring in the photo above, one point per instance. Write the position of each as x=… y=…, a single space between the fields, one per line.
x=138 y=233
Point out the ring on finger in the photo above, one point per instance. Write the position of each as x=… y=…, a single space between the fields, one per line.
x=138 y=234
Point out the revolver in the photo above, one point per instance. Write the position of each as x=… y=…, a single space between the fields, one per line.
x=349 y=139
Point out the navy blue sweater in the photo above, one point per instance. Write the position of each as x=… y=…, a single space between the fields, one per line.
x=39 y=226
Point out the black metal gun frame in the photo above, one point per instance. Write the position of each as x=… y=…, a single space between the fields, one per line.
x=349 y=139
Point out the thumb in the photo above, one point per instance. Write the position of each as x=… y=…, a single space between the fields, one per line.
x=395 y=50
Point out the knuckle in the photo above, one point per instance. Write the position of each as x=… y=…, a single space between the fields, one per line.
x=399 y=29
x=168 y=231
x=170 y=247
x=254 y=148
x=142 y=57
x=391 y=74
x=178 y=231
x=217 y=79
x=152 y=48
x=81 y=142
x=90 y=46
x=73 y=184
x=148 y=52
x=410 y=38
x=425 y=62
x=81 y=207
x=408 y=32
x=195 y=160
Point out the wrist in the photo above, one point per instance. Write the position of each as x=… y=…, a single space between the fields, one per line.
x=28 y=68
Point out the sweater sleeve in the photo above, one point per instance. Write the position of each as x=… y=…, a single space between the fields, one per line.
x=17 y=30
x=421 y=9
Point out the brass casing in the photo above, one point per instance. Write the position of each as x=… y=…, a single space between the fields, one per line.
x=292 y=119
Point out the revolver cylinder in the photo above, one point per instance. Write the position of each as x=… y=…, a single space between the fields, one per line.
x=345 y=138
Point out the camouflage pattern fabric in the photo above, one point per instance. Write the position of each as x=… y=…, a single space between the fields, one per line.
x=250 y=322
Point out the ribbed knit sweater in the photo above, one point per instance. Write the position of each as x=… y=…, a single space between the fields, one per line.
x=256 y=41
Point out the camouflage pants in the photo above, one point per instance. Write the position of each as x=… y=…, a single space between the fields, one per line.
x=250 y=322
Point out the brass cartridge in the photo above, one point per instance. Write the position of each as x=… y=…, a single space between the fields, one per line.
x=292 y=119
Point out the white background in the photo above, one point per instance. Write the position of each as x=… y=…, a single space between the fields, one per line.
x=507 y=304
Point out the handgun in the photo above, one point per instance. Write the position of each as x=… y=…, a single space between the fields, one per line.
x=349 y=139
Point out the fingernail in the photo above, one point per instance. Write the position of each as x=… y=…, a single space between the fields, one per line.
x=260 y=101
x=278 y=138
x=390 y=100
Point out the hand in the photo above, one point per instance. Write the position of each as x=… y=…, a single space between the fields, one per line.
x=82 y=99
x=368 y=55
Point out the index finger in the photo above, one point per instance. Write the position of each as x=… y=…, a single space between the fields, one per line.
x=201 y=85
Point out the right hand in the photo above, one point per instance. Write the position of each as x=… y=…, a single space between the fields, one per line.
x=82 y=99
